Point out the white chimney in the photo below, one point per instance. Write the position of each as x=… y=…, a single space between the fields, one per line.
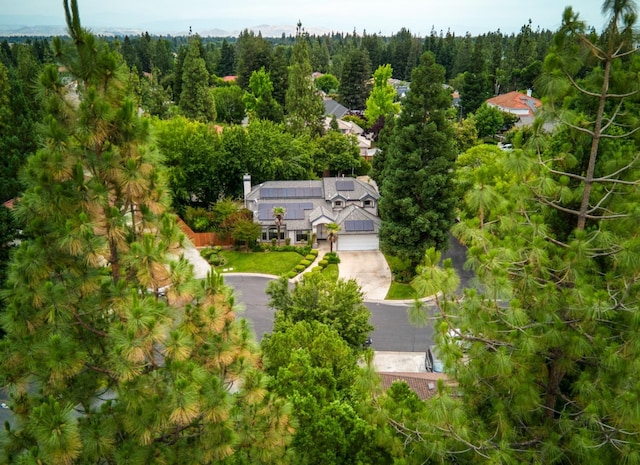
x=246 y=180
x=529 y=92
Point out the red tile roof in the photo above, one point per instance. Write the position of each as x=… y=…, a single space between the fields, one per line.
x=229 y=78
x=9 y=203
x=423 y=384
x=515 y=101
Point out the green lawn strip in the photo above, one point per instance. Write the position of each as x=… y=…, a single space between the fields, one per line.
x=331 y=272
x=275 y=263
x=400 y=291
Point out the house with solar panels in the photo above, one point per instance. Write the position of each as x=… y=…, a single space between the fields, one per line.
x=311 y=205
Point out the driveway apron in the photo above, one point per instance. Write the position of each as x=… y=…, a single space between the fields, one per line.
x=369 y=269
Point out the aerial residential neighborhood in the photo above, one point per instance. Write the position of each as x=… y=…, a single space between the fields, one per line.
x=317 y=246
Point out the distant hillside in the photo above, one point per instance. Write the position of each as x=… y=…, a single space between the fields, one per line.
x=182 y=29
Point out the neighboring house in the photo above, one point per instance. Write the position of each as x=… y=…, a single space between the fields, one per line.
x=351 y=128
x=425 y=385
x=345 y=127
x=331 y=107
x=522 y=105
x=310 y=205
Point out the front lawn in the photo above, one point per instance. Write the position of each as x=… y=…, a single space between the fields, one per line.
x=275 y=263
x=400 y=291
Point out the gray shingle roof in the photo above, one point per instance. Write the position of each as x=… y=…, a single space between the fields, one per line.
x=302 y=211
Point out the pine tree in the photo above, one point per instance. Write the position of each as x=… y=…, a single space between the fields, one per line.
x=546 y=353
x=102 y=363
x=417 y=203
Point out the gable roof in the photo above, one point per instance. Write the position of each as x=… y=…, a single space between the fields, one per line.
x=516 y=102
x=310 y=202
x=356 y=220
x=348 y=188
x=331 y=107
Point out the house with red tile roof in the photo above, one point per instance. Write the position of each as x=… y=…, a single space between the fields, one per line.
x=423 y=384
x=522 y=105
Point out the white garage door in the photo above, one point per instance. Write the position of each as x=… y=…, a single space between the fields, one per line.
x=358 y=242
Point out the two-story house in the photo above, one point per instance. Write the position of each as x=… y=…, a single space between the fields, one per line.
x=310 y=205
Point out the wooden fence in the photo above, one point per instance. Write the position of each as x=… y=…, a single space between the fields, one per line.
x=204 y=239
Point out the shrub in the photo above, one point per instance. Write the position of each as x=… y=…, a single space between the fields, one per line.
x=299 y=268
x=332 y=258
x=274 y=242
x=287 y=241
x=208 y=252
x=217 y=260
x=323 y=263
x=317 y=268
x=314 y=252
x=401 y=270
x=306 y=263
x=310 y=257
x=292 y=274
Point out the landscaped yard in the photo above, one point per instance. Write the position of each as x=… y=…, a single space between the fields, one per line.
x=400 y=291
x=276 y=263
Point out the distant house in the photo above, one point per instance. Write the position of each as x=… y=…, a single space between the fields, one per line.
x=425 y=385
x=522 y=105
x=351 y=128
x=311 y=205
x=230 y=78
x=333 y=108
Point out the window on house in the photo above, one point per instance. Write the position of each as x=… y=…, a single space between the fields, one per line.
x=338 y=203
x=302 y=236
x=272 y=233
x=368 y=203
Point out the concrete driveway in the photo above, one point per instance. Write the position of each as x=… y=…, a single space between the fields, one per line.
x=370 y=269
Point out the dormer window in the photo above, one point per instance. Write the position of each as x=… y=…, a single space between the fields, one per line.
x=368 y=203
x=338 y=203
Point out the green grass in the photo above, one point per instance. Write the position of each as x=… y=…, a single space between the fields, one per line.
x=399 y=291
x=276 y=263
x=331 y=272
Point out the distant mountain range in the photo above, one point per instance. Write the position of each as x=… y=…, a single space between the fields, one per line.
x=178 y=30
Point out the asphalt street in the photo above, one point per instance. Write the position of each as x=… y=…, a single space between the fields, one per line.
x=392 y=332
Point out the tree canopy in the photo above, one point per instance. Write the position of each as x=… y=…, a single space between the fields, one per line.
x=113 y=352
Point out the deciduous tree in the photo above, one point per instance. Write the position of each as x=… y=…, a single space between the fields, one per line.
x=381 y=101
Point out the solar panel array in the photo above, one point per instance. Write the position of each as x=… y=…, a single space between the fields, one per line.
x=345 y=186
x=358 y=225
x=294 y=210
x=291 y=192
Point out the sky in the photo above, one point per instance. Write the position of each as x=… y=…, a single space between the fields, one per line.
x=373 y=16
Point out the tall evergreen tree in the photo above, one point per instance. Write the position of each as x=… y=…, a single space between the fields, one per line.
x=252 y=53
x=227 y=63
x=304 y=106
x=417 y=204
x=100 y=366
x=196 y=98
x=547 y=355
x=279 y=73
x=354 y=80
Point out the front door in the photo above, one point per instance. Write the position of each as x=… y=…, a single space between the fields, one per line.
x=321 y=233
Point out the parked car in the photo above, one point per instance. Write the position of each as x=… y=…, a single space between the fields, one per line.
x=432 y=361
